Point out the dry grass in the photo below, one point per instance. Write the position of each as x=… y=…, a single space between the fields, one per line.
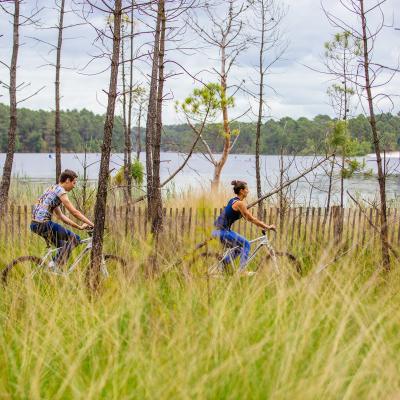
x=332 y=335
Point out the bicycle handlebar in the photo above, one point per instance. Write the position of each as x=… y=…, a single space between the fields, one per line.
x=264 y=231
x=91 y=229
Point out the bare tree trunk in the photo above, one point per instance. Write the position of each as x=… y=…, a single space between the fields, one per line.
x=127 y=172
x=282 y=203
x=260 y=208
x=151 y=119
x=57 y=87
x=345 y=120
x=12 y=130
x=138 y=138
x=342 y=184
x=128 y=140
x=328 y=201
x=227 y=131
x=157 y=216
x=372 y=121
x=225 y=34
x=93 y=273
x=85 y=179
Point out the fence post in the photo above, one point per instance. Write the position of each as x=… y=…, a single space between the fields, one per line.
x=146 y=221
x=352 y=225
x=19 y=224
x=359 y=231
x=127 y=207
x=204 y=225
x=393 y=225
x=318 y=224
x=299 y=222
x=190 y=223
x=371 y=218
x=306 y=223
x=176 y=224
x=286 y=226
x=140 y=230
x=183 y=222
x=337 y=224
x=133 y=218
x=293 y=222
x=26 y=220
x=278 y=235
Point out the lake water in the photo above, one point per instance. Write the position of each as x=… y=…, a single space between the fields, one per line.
x=197 y=174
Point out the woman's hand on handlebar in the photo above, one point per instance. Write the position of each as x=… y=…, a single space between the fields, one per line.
x=270 y=228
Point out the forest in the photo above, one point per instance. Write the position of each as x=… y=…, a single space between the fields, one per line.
x=83 y=128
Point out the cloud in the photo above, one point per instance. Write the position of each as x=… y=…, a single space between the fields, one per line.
x=300 y=91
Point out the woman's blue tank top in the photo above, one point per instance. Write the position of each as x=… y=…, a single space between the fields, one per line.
x=228 y=215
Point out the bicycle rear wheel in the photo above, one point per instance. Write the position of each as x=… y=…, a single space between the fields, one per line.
x=19 y=270
x=209 y=264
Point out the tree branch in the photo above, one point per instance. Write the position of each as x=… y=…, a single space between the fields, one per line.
x=289 y=182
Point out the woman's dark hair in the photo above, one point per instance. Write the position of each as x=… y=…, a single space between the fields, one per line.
x=67 y=174
x=238 y=186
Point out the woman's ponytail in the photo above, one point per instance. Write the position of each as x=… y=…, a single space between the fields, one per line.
x=238 y=186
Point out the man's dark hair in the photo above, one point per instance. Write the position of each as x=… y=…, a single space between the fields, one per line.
x=238 y=186
x=67 y=174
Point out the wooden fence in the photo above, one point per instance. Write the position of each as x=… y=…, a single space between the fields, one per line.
x=305 y=224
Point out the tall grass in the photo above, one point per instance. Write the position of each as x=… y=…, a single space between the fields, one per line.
x=333 y=335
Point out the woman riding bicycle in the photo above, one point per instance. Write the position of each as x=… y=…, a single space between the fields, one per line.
x=234 y=210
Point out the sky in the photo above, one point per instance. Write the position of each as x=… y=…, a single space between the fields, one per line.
x=298 y=90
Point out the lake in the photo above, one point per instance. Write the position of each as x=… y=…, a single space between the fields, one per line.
x=197 y=174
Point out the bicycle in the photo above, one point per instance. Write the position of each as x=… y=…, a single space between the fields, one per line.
x=278 y=259
x=16 y=269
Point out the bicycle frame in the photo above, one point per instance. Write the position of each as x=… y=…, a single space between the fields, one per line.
x=262 y=241
x=49 y=256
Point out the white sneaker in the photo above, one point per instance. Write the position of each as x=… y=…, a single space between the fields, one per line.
x=247 y=273
x=52 y=267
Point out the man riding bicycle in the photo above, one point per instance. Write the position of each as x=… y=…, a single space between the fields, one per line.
x=234 y=210
x=47 y=204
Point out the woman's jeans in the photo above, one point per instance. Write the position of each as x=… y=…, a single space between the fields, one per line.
x=233 y=239
x=60 y=237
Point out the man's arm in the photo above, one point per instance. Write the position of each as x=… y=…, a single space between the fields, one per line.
x=77 y=214
x=59 y=214
x=240 y=206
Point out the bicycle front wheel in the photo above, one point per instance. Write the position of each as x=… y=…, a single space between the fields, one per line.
x=113 y=265
x=19 y=270
x=280 y=262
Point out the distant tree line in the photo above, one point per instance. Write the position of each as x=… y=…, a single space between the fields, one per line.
x=302 y=136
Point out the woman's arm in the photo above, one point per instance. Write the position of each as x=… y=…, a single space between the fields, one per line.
x=77 y=214
x=241 y=206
